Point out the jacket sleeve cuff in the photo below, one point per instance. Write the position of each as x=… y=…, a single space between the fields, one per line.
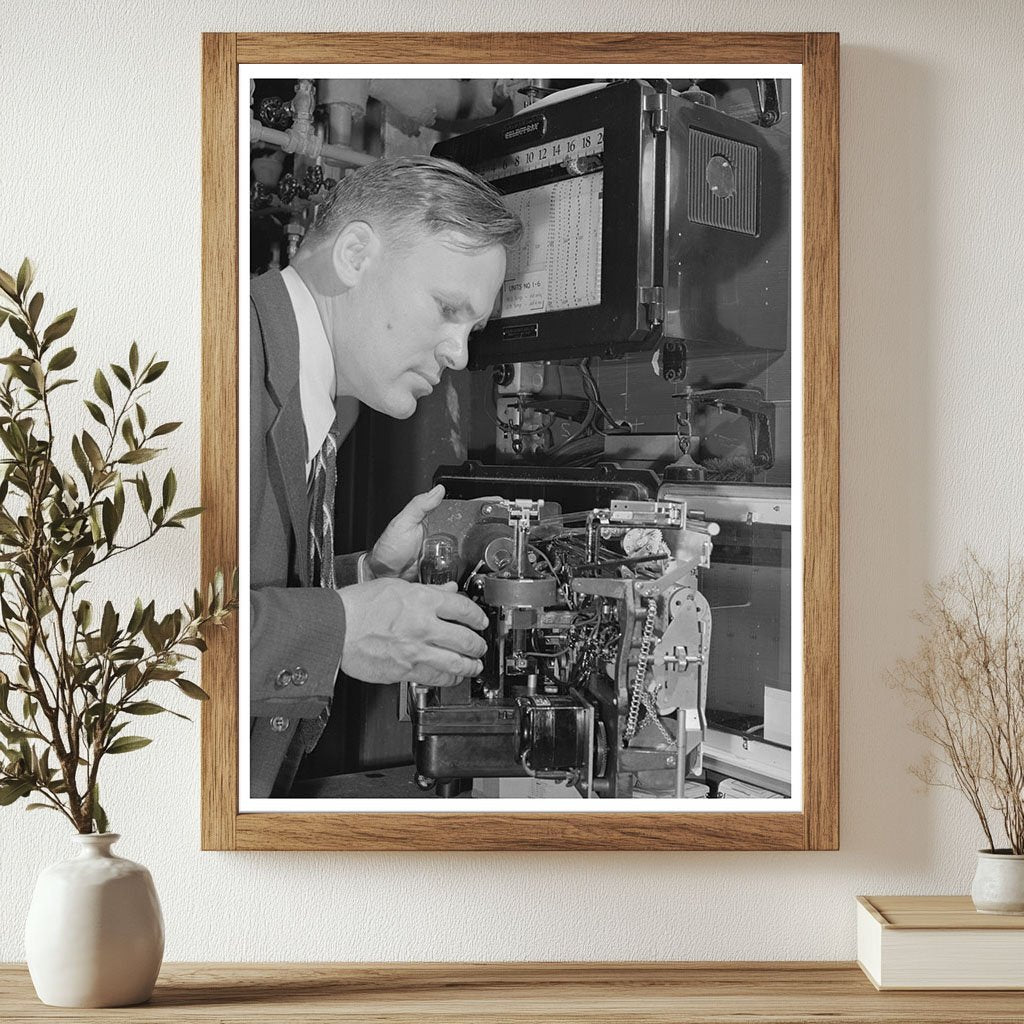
x=296 y=639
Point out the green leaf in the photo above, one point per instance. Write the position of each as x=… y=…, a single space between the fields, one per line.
x=130 y=653
x=170 y=487
x=8 y=285
x=34 y=308
x=20 y=328
x=125 y=744
x=102 y=388
x=60 y=326
x=151 y=631
x=191 y=690
x=83 y=613
x=14 y=790
x=138 y=455
x=128 y=433
x=144 y=707
x=135 y=622
x=41 y=807
x=163 y=673
x=109 y=521
x=63 y=359
x=166 y=428
x=11 y=733
x=26 y=274
x=145 y=498
x=95 y=529
x=80 y=458
x=95 y=412
x=154 y=371
x=185 y=513
x=99 y=816
x=140 y=415
x=94 y=711
x=92 y=449
x=133 y=358
x=108 y=627
x=121 y=374
x=4 y=314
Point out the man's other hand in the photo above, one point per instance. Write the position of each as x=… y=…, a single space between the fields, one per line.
x=397 y=553
x=406 y=632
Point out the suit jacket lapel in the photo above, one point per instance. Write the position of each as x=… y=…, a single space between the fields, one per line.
x=287 y=447
x=287 y=435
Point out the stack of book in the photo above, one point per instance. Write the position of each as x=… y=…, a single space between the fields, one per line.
x=938 y=942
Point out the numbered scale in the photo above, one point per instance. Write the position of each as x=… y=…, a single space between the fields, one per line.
x=575 y=155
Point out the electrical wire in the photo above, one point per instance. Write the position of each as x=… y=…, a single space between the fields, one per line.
x=505 y=427
x=584 y=430
x=594 y=394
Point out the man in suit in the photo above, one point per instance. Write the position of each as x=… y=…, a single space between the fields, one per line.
x=405 y=259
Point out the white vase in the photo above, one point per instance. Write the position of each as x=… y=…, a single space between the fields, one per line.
x=999 y=882
x=95 y=934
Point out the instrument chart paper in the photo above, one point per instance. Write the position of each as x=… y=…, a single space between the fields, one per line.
x=557 y=263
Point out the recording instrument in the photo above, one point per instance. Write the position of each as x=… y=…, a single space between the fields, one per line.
x=598 y=645
x=647 y=215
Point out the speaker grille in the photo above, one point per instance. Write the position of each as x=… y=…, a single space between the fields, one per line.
x=722 y=183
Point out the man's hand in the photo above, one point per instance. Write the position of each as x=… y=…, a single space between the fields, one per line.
x=397 y=632
x=397 y=553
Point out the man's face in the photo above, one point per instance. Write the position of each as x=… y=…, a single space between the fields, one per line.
x=409 y=317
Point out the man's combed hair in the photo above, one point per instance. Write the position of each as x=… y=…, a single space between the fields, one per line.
x=419 y=192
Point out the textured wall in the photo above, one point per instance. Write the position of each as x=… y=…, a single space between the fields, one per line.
x=100 y=184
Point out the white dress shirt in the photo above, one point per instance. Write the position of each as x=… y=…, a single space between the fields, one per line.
x=316 y=377
x=316 y=366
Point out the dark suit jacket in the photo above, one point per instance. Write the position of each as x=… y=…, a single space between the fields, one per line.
x=296 y=631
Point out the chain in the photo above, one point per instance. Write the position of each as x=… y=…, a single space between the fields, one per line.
x=652 y=710
x=646 y=639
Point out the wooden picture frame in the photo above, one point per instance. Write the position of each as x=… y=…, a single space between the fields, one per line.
x=816 y=826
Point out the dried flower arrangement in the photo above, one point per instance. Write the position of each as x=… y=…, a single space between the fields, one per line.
x=967 y=682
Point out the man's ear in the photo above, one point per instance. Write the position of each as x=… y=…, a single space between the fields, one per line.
x=354 y=249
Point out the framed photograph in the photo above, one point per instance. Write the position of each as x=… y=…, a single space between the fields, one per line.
x=520 y=420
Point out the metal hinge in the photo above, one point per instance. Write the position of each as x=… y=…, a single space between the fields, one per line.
x=656 y=105
x=654 y=300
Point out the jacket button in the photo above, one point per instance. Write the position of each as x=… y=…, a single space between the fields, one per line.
x=279 y=723
x=284 y=677
x=299 y=675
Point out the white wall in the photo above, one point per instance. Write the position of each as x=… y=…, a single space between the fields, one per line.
x=100 y=183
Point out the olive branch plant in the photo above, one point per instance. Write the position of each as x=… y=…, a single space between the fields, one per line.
x=966 y=681
x=80 y=673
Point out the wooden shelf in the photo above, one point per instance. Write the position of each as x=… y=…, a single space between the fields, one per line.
x=663 y=993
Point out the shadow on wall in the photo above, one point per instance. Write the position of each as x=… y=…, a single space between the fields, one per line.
x=888 y=282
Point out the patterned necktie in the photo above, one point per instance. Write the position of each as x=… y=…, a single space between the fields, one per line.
x=321 y=512
x=324 y=480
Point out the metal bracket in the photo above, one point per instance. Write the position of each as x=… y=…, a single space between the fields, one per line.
x=680 y=659
x=654 y=299
x=769 y=108
x=656 y=105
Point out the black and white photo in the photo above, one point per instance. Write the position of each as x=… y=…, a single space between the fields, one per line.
x=521 y=466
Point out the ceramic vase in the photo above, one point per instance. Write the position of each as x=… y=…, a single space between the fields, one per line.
x=95 y=933
x=999 y=882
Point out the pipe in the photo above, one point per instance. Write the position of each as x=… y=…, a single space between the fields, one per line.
x=310 y=146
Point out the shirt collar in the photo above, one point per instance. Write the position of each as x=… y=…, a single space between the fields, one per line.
x=316 y=365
